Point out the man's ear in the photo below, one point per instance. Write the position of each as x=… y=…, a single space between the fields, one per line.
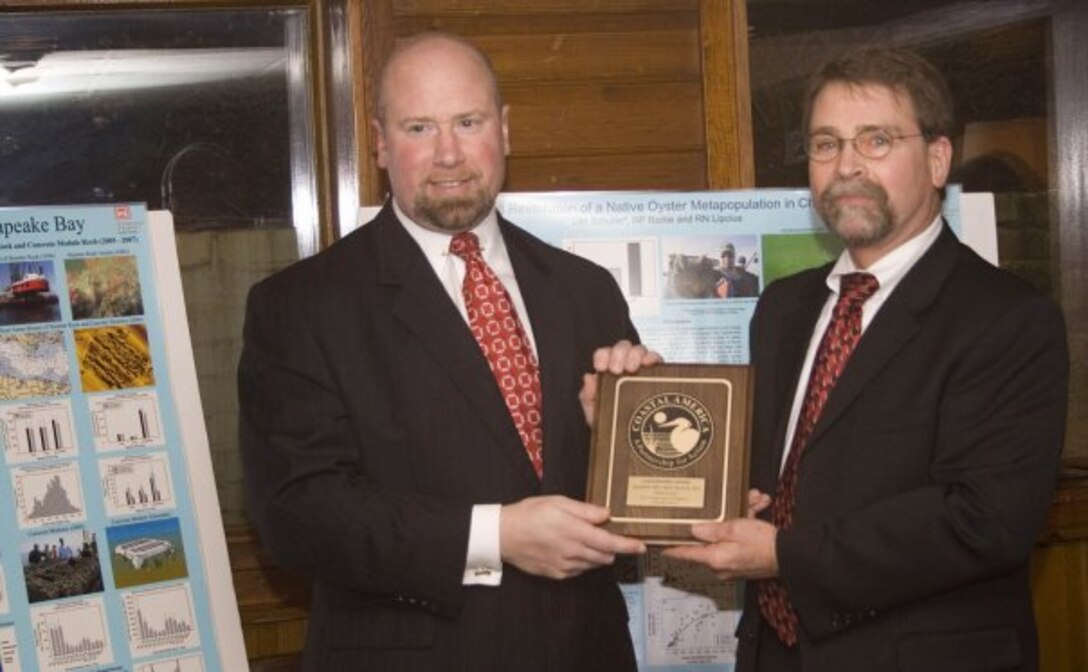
x=940 y=161
x=380 y=150
x=505 y=118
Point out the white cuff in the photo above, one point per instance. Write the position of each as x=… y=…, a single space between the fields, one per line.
x=483 y=566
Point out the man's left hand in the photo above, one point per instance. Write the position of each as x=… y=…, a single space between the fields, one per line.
x=742 y=548
x=623 y=357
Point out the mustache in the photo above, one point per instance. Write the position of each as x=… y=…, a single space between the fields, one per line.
x=456 y=177
x=847 y=188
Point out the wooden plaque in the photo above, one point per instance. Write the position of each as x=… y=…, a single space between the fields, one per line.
x=670 y=448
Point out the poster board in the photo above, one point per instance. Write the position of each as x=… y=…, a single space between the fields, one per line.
x=112 y=552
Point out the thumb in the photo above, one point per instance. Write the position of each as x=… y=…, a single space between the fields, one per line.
x=588 y=396
x=591 y=513
x=711 y=532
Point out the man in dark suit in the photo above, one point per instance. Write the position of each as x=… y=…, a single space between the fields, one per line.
x=911 y=482
x=382 y=459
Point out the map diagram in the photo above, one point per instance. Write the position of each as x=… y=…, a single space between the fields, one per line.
x=33 y=365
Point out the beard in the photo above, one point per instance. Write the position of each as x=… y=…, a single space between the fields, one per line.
x=857 y=224
x=455 y=214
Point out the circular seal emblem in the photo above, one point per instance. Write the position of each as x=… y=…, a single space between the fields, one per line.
x=671 y=431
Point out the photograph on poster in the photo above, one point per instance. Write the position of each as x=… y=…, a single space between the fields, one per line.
x=786 y=253
x=116 y=357
x=104 y=287
x=62 y=564
x=29 y=293
x=712 y=268
x=33 y=364
x=146 y=552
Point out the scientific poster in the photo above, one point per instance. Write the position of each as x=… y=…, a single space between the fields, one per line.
x=109 y=556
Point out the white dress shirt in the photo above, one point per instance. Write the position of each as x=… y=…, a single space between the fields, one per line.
x=483 y=564
x=889 y=270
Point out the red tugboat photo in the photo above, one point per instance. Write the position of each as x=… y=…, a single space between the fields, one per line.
x=28 y=297
x=29 y=285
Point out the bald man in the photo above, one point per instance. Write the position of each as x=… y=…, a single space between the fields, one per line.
x=439 y=518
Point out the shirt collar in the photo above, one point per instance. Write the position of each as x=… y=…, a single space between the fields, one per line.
x=890 y=268
x=436 y=244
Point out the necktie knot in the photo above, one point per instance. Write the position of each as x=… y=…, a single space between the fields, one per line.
x=856 y=288
x=465 y=245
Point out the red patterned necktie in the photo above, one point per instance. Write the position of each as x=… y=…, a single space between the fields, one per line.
x=836 y=346
x=495 y=324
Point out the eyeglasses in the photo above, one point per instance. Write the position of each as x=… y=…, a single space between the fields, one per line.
x=872 y=144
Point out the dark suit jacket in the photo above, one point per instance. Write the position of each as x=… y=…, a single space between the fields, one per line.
x=371 y=424
x=926 y=481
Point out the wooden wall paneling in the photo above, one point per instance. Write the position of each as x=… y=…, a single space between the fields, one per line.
x=657 y=55
x=532 y=20
x=1059 y=581
x=273 y=602
x=590 y=119
x=487 y=8
x=668 y=170
x=603 y=94
x=372 y=33
x=728 y=100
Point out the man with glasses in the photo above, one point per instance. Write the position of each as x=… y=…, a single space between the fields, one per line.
x=909 y=412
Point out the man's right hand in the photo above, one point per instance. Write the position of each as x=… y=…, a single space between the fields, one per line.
x=559 y=538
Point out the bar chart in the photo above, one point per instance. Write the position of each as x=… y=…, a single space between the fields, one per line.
x=125 y=420
x=133 y=483
x=71 y=634
x=37 y=431
x=160 y=619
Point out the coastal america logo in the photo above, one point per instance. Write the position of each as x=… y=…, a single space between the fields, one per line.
x=671 y=431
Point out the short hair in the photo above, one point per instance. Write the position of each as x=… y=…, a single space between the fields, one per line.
x=408 y=43
x=902 y=71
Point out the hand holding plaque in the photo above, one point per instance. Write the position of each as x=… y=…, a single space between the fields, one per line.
x=670 y=448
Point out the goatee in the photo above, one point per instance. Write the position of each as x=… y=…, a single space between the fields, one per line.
x=454 y=215
x=857 y=225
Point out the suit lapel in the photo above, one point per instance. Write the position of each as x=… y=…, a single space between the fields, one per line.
x=894 y=326
x=422 y=305
x=554 y=337
x=796 y=330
